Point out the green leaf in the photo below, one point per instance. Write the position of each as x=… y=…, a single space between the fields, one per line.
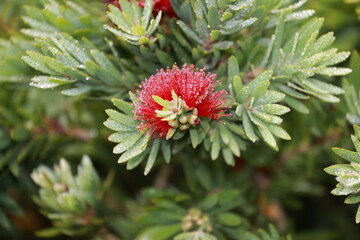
x=195 y=236
x=126 y=107
x=210 y=202
x=279 y=32
x=160 y=232
x=119 y=136
x=121 y=118
x=334 y=71
x=250 y=133
x=229 y=219
x=113 y=125
x=268 y=137
x=194 y=137
x=215 y=145
x=223 y=45
x=273 y=109
x=267 y=117
x=189 y=32
x=43 y=82
x=165 y=59
x=4 y=221
x=352 y=199
x=347 y=155
x=228 y=156
x=213 y=18
x=152 y=156
x=224 y=134
x=357 y=217
x=296 y=104
x=134 y=162
x=166 y=150
x=81 y=89
x=334 y=169
x=263 y=77
x=135 y=150
x=148 y=6
x=48 y=232
x=278 y=131
x=233 y=70
x=234 y=26
x=126 y=143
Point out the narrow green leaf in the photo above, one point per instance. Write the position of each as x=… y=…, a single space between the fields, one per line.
x=279 y=32
x=268 y=137
x=4 y=221
x=48 y=232
x=215 y=146
x=357 y=217
x=113 y=125
x=233 y=70
x=135 y=161
x=126 y=107
x=119 y=136
x=135 y=149
x=81 y=89
x=166 y=151
x=194 y=137
x=278 y=131
x=347 y=155
x=213 y=18
x=189 y=32
x=352 y=199
x=152 y=156
x=249 y=130
x=229 y=219
x=120 y=118
x=127 y=142
x=267 y=117
x=228 y=156
x=296 y=104
x=160 y=232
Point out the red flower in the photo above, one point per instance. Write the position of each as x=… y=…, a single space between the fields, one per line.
x=158 y=5
x=176 y=99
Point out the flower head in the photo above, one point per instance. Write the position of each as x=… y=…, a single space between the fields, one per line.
x=177 y=99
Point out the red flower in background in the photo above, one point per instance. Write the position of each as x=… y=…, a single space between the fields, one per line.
x=112 y=2
x=159 y=5
x=176 y=99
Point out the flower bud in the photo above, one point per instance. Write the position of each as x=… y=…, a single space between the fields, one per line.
x=183 y=119
x=173 y=123
x=184 y=127
x=193 y=119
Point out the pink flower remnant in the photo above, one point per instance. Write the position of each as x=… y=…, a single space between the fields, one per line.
x=176 y=99
x=158 y=5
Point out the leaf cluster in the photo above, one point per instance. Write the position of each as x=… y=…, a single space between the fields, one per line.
x=71 y=202
x=170 y=211
x=286 y=72
x=348 y=175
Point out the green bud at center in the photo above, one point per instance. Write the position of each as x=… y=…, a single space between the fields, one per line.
x=176 y=113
